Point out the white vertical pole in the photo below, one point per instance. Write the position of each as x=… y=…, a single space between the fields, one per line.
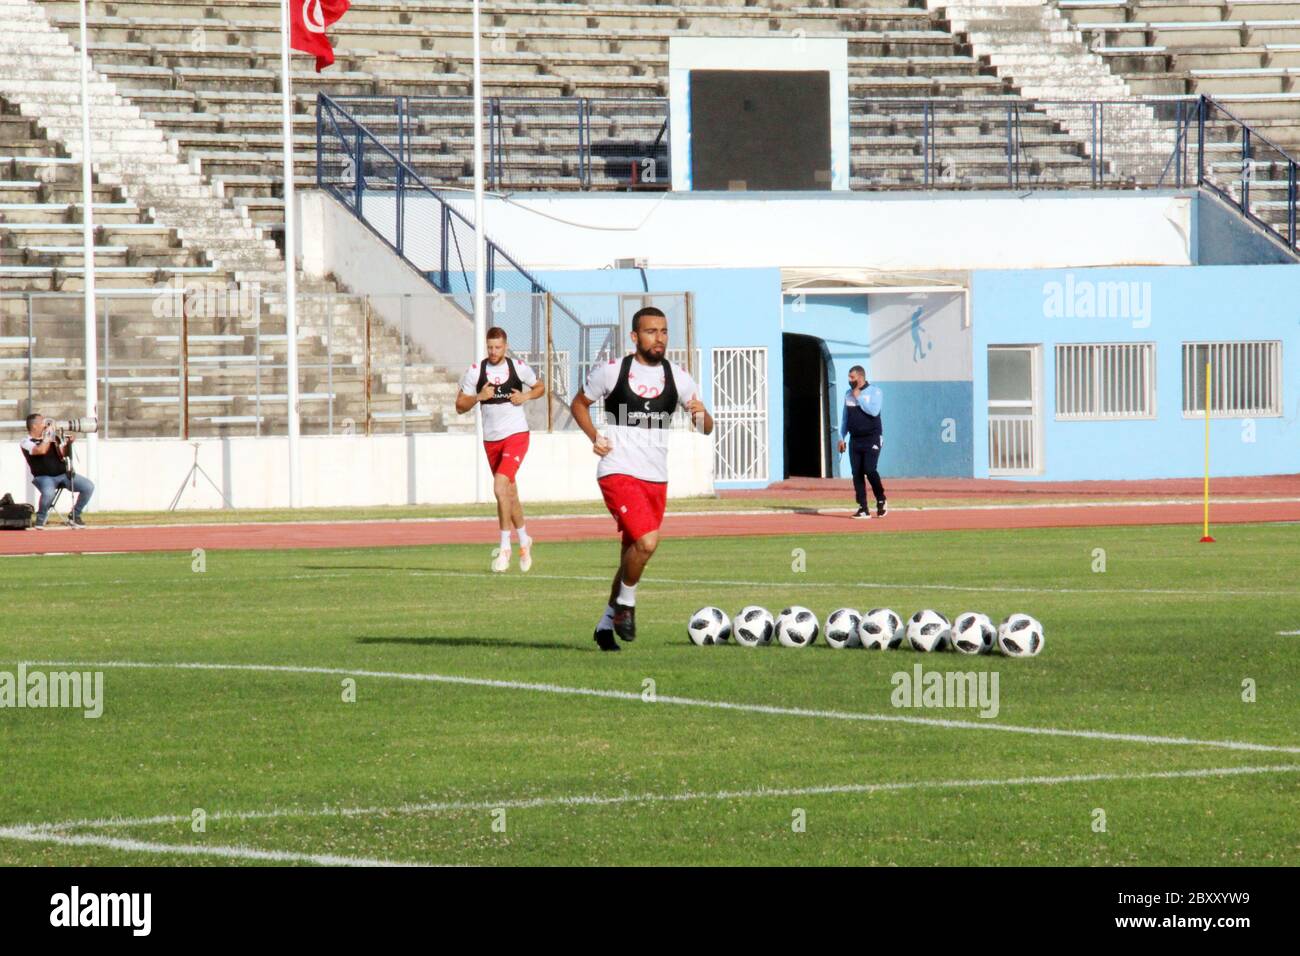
x=480 y=236
x=290 y=260
x=89 y=462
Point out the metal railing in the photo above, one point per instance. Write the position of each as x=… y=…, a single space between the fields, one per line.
x=1248 y=170
x=203 y=361
x=417 y=223
x=958 y=143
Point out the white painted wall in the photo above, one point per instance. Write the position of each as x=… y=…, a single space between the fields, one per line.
x=554 y=231
x=334 y=241
x=145 y=474
x=832 y=231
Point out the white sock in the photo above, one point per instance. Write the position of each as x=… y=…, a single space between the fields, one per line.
x=627 y=594
x=606 y=622
x=524 y=540
x=505 y=540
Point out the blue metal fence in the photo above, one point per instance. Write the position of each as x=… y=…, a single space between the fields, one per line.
x=1248 y=170
x=896 y=144
x=418 y=222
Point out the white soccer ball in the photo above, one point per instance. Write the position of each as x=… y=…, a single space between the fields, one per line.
x=709 y=625
x=928 y=631
x=842 y=628
x=796 y=627
x=973 y=633
x=881 y=629
x=1020 y=636
x=753 y=626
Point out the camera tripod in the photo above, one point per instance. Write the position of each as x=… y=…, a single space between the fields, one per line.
x=71 y=468
x=192 y=478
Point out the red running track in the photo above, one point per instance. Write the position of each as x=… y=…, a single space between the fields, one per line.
x=370 y=534
x=992 y=489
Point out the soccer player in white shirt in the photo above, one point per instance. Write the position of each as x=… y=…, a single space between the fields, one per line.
x=500 y=386
x=639 y=394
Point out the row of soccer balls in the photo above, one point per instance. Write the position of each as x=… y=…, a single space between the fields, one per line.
x=973 y=633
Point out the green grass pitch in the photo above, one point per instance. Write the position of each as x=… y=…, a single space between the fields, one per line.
x=1166 y=642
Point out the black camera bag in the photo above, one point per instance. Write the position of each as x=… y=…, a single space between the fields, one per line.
x=14 y=516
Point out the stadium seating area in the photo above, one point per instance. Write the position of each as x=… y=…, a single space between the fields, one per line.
x=236 y=379
x=1243 y=52
x=202 y=78
x=207 y=74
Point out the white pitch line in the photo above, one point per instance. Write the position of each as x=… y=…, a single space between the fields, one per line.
x=31 y=834
x=598 y=800
x=679 y=701
x=718 y=582
x=1287 y=633
x=710 y=513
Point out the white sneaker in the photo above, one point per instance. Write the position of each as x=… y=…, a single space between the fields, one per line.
x=502 y=560
x=525 y=558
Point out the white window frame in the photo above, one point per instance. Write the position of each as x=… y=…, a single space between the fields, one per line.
x=1233 y=362
x=1003 y=412
x=1137 y=360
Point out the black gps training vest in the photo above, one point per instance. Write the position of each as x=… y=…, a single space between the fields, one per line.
x=638 y=411
x=513 y=382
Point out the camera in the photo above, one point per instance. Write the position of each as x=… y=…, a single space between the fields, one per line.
x=82 y=426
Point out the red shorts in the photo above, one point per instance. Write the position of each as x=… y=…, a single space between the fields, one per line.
x=637 y=506
x=505 y=456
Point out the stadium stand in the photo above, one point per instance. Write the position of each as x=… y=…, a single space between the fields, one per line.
x=169 y=226
x=1245 y=53
x=186 y=113
x=1033 y=47
x=206 y=73
x=236 y=379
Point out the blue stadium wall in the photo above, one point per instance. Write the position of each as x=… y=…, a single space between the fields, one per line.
x=928 y=414
x=1196 y=303
x=923 y=369
x=733 y=308
x=936 y=388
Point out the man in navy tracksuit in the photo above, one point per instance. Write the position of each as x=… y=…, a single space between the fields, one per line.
x=860 y=423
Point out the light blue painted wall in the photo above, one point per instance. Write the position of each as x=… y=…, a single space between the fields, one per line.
x=1186 y=304
x=927 y=430
x=840 y=322
x=914 y=411
x=733 y=308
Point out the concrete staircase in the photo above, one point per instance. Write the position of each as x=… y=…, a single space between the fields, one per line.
x=208 y=74
x=160 y=224
x=42 y=76
x=1033 y=47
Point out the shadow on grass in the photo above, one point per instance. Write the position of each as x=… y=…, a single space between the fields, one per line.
x=467 y=641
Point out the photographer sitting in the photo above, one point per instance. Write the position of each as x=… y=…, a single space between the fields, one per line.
x=49 y=465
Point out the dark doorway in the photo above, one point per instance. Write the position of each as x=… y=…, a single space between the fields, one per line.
x=761 y=129
x=807 y=375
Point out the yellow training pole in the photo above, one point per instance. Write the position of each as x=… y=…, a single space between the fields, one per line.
x=1205 y=537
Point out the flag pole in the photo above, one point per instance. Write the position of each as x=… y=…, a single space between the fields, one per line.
x=1205 y=534
x=480 y=237
x=290 y=258
x=88 y=253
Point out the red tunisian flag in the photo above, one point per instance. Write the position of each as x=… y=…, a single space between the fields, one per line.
x=307 y=22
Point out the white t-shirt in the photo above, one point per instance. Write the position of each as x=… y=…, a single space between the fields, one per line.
x=504 y=419
x=639 y=452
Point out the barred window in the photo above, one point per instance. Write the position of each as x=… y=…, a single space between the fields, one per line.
x=1245 y=378
x=1105 y=381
